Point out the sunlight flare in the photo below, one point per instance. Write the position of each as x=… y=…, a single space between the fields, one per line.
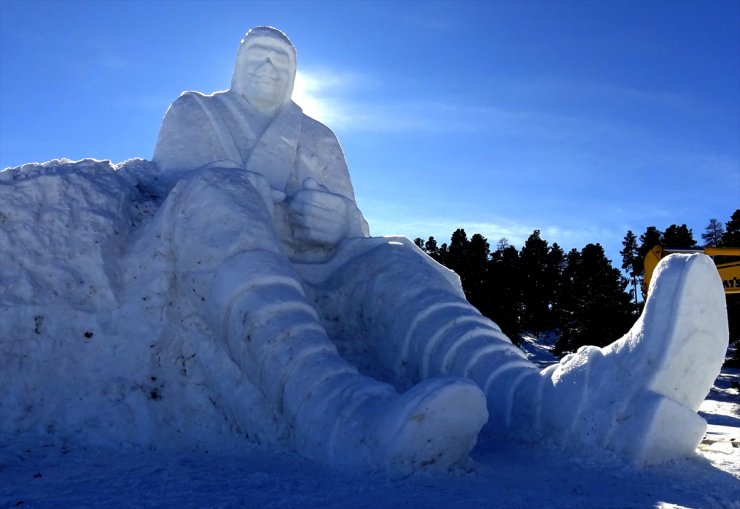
x=307 y=95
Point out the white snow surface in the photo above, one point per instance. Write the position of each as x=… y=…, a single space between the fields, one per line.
x=502 y=475
x=109 y=399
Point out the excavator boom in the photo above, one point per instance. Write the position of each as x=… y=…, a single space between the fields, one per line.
x=729 y=272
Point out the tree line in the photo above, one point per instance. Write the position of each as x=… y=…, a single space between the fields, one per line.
x=578 y=294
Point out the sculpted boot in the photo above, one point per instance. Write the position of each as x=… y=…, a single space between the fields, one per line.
x=637 y=397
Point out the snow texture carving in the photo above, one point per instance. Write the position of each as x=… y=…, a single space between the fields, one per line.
x=230 y=289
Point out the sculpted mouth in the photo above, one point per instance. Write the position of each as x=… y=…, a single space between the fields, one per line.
x=263 y=80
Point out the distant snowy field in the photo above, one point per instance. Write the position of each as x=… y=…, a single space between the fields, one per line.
x=502 y=475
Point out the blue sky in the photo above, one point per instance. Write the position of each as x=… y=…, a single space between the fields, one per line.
x=581 y=119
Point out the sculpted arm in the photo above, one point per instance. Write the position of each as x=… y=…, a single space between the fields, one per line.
x=323 y=211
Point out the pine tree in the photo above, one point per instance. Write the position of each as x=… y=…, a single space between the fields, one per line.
x=537 y=296
x=679 y=237
x=457 y=253
x=503 y=282
x=595 y=309
x=570 y=304
x=631 y=262
x=442 y=254
x=712 y=235
x=648 y=240
x=555 y=265
x=731 y=236
x=430 y=248
x=476 y=266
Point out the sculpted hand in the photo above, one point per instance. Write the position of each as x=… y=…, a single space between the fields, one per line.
x=269 y=195
x=319 y=216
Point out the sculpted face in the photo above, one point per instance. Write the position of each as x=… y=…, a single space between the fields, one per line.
x=265 y=72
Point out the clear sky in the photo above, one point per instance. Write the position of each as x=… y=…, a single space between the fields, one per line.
x=581 y=119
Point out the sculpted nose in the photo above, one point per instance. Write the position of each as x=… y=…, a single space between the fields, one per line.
x=267 y=67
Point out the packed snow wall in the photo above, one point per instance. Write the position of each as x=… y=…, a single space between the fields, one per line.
x=95 y=345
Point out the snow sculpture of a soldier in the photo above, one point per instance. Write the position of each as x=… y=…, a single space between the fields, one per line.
x=287 y=263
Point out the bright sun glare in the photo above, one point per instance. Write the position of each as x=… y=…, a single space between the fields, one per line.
x=305 y=95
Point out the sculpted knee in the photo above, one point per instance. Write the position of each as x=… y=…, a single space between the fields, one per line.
x=401 y=259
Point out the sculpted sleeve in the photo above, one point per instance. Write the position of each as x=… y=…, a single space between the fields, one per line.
x=188 y=138
x=321 y=158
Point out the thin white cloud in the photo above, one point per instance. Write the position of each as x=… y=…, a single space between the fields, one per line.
x=610 y=93
x=339 y=100
x=390 y=219
x=334 y=98
x=515 y=232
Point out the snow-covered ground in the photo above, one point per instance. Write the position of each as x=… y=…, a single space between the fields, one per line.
x=501 y=475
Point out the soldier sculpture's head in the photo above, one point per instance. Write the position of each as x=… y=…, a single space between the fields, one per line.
x=265 y=69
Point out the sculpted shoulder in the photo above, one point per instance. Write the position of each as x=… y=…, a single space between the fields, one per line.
x=320 y=137
x=191 y=99
x=316 y=129
x=186 y=138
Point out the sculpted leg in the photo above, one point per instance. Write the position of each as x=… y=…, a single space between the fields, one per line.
x=254 y=300
x=637 y=397
x=415 y=313
x=335 y=413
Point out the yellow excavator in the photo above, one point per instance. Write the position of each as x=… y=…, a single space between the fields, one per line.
x=728 y=271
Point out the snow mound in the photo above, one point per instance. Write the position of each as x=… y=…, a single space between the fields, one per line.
x=95 y=346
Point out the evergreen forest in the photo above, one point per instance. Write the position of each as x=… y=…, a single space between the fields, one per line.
x=579 y=295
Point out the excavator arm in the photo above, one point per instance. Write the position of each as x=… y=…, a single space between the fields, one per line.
x=728 y=271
